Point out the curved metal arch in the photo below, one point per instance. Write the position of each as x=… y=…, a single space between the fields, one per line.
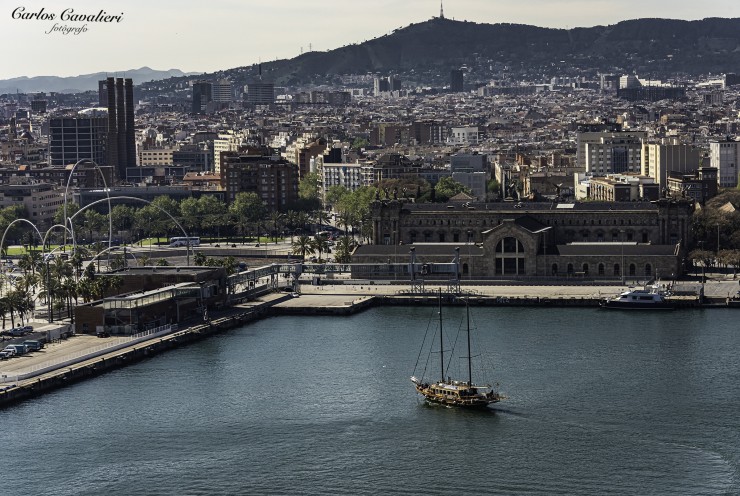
x=189 y=248
x=107 y=194
x=48 y=231
x=2 y=241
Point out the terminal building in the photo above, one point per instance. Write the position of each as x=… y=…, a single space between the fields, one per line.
x=634 y=240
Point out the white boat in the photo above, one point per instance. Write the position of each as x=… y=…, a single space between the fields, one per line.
x=649 y=298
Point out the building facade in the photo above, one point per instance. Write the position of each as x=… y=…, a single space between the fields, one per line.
x=76 y=138
x=658 y=160
x=725 y=157
x=41 y=200
x=522 y=240
x=600 y=141
x=273 y=179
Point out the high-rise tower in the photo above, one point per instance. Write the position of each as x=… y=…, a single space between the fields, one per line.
x=121 y=143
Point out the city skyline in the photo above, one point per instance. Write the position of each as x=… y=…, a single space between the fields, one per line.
x=222 y=34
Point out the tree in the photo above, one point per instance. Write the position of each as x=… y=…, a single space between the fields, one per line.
x=447 y=187
x=199 y=259
x=117 y=262
x=123 y=217
x=246 y=209
x=163 y=204
x=308 y=192
x=360 y=143
x=493 y=187
x=7 y=216
x=705 y=256
x=276 y=219
x=72 y=209
x=730 y=258
x=213 y=214
x=94 y=222
x=191 y=215
x=302 y=245
x=145 y=221
x=335 y=194
x=320 y=244
x=354 y=208
x=343 y=249
x=29 y=261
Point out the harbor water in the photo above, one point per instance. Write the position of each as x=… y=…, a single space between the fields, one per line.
x=599 y=402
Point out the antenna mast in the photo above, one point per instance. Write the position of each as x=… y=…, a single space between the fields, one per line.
x=441 y=10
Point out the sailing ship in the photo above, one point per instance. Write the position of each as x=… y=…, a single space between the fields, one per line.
x=449 y=392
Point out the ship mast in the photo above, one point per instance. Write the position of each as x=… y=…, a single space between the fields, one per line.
x=470 y=368
x=441 y=344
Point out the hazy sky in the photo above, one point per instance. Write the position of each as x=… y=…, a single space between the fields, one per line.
x=207 y=35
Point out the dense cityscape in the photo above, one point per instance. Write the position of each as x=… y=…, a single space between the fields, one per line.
x=218 y=283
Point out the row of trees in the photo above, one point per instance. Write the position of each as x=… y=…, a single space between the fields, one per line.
x=57 y=284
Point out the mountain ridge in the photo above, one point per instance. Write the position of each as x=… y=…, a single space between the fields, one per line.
x=656 y=46
x=83 y=82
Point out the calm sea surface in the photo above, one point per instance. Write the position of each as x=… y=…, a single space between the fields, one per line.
x=598 y=403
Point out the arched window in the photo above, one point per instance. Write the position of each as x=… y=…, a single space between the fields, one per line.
x=465 y=269
x=554 y=269
x=617 y=271
x=648 y=270
x=585 y=269
x=632 y=269
x=510 y=257
x=570 y=269
x=601 y=269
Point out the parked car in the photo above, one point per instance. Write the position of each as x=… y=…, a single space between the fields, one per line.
x=33 y=345
x=20 y=349
x=4 y=355
x=10 y=350
x=17 y=332
x=28 y=329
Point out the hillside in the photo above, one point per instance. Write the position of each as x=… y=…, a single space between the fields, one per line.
x=650 y=47
x=85 y=82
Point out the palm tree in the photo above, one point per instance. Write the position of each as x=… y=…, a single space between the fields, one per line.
x=276 y=218
x=4 y=308
x=199 y=259
x=86 y=289
x=320 y=244
x=29 y=261
x=16 y=304
x=302 y=245
x=343 y=250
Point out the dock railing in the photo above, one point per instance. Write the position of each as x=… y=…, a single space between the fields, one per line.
x=111 y=344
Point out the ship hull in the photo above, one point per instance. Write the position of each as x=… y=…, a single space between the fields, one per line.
x=622 y=305
x=477 y=401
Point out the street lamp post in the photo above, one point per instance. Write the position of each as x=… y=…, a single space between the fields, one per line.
x=621 y=242
x=395 y=254
x=718 y=238
x=50 y=316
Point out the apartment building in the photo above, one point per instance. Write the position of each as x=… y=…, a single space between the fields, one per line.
x=725 y=157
